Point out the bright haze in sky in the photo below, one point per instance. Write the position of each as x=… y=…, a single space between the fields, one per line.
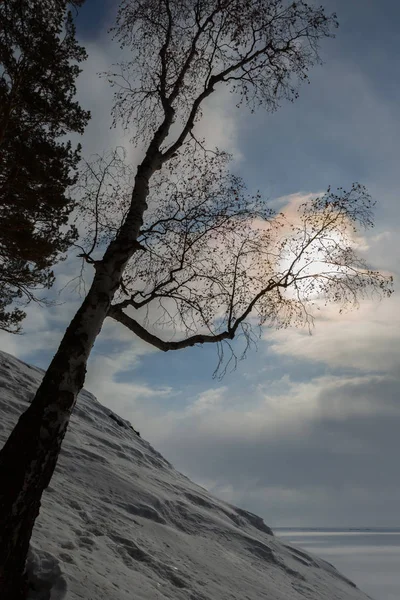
x=305 y=431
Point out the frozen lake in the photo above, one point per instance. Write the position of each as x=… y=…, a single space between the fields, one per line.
x=369 y=557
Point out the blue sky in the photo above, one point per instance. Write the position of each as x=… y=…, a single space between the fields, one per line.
x=305 y=431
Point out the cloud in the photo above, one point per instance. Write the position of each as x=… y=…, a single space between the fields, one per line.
x=127 y=397
x=281 y=411
x=367 y=339
x=307 y=450
x=207 y=402
x=219 y=124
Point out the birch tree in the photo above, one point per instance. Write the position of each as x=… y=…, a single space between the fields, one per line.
x=179 y=232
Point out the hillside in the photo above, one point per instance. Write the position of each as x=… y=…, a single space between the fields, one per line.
x=120 y=523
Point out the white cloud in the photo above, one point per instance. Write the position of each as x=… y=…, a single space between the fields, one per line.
x=218 y=125
x=207 y=402
x=221 y=415
x=220 y=122
x=95 y=94
x=128 y=398
x=319 y=448
x=367 y=339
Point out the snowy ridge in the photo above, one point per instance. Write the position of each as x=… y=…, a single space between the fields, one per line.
x=119 y=523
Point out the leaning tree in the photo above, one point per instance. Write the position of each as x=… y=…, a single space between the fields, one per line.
x=39 y=63
x=177 y=241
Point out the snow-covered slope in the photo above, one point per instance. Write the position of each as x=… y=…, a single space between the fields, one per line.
x=118 y=522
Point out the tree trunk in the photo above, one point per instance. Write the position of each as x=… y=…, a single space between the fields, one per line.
x=29 y=457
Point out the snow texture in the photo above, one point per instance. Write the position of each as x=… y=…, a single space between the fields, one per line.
x=118 y=522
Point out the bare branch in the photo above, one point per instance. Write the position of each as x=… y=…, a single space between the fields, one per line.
x=259 y=49
x=208 y=256
x=152 y=339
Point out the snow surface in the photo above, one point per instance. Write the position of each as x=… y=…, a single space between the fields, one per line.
x=118 y=522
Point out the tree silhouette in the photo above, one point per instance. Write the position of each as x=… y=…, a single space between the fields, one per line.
x=39 y=59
